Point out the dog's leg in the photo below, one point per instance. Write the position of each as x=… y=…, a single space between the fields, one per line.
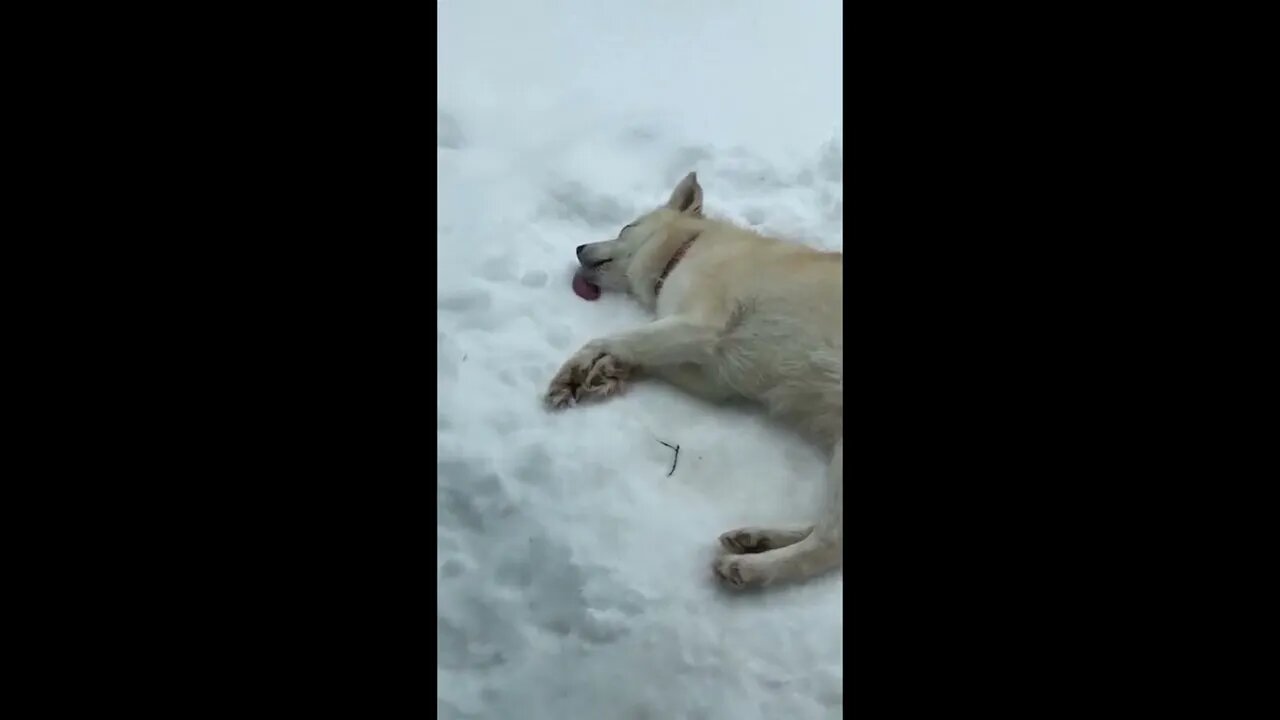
x=820 y=551
x=695 y=381
x=757 y=540
x=669 y=341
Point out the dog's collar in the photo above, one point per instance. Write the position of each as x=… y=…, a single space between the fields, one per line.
x=671 y=264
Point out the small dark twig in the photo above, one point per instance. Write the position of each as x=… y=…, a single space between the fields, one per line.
x=675 y=459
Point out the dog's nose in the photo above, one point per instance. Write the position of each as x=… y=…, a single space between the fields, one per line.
x=579 y=251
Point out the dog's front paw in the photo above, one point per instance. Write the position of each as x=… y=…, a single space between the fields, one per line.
x=740 y=572
x=559 y=396
x=607 y=376
x=579 y=378
x=564 y=386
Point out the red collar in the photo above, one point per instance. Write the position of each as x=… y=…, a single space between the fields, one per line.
x=671 y=264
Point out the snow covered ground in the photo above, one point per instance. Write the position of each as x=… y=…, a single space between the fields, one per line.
x=574 y=574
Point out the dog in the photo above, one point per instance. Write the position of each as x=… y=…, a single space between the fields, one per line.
x=739 y=315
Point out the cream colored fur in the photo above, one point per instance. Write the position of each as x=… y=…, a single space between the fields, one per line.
x=740 y=315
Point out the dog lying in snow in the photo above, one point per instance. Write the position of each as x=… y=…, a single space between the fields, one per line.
x=739 y=315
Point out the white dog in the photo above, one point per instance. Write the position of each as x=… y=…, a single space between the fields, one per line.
x=739 y=315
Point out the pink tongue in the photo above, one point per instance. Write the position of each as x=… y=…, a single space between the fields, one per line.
x=583 y=288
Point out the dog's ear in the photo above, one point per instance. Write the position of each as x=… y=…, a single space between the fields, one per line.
x=687 y=197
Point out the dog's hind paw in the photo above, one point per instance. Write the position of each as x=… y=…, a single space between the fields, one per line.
x=745 y=540
x=737 y=572
x=757 y=540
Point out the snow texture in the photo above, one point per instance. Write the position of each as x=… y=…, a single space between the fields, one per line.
x=575 y=575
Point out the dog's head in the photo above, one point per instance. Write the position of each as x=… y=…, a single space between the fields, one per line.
x=626 y=262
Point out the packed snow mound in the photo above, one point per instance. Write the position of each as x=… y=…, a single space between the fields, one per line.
x=574 y=573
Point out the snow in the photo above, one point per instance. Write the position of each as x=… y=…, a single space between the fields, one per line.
x=574 y=574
